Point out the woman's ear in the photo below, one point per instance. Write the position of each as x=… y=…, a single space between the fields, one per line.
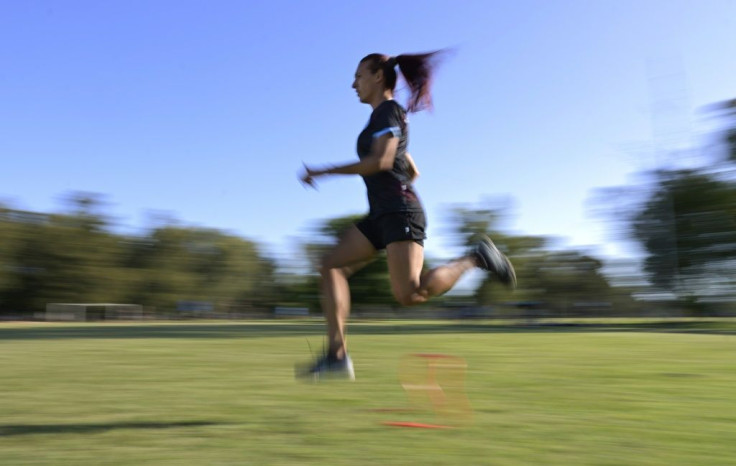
x=378 y=76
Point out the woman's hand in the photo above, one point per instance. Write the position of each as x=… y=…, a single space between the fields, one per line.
x=412 y=169
x=308 y=176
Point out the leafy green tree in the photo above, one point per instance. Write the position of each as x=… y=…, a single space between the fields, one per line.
x=11 y=233
x=726 y=110
x=175 y=264
x=688 y=228
x=685 y=222
x=66 y=257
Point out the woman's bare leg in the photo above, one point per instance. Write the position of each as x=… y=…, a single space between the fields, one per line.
x=352 y=253
x=405 y=261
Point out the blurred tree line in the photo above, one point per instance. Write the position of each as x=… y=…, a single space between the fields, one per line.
x=684 y=221
x=74 y=257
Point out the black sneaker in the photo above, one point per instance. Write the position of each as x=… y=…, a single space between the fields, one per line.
x=491 y=259
x=327 y=368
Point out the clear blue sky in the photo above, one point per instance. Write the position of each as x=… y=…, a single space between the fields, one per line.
x=206 y=109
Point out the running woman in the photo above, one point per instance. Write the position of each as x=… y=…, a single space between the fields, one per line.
x=396 y=219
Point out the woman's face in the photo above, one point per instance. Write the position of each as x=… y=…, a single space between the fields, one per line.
x=366 y=84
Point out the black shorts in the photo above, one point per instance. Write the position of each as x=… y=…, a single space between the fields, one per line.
x=395 y=226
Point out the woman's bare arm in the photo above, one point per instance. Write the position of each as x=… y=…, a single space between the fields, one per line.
x=383 y=153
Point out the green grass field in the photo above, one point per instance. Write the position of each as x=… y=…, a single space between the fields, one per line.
x=637 y=393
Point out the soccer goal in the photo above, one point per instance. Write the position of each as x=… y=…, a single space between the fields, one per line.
x=80 y=312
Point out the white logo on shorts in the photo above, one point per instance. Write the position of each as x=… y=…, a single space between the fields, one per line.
x=406 y=230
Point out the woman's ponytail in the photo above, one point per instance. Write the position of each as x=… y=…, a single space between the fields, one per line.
x=417 y=70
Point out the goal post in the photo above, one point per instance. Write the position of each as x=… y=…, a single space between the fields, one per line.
x=81 y=312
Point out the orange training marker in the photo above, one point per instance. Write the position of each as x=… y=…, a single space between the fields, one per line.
x=419 y=425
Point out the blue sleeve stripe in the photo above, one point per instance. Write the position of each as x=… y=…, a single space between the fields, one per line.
x=395 y=130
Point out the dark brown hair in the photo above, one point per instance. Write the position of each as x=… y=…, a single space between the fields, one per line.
x=416 y=69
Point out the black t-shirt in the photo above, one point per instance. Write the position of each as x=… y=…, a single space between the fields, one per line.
x=390 y=190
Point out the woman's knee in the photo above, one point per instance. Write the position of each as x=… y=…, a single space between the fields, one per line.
x=326 y=264
x=328 y=270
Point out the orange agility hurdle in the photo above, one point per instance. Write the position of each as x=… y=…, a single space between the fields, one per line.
x=435 y=385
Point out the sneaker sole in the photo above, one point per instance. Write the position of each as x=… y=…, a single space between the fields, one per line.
x=493 y=260
x=300 y=373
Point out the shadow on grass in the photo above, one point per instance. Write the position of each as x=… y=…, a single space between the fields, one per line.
x=263 y=329
x=33 y=429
